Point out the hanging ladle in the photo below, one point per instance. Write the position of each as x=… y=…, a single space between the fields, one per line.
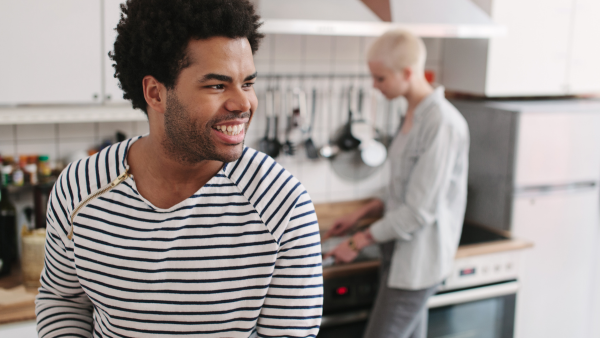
x=309 y=145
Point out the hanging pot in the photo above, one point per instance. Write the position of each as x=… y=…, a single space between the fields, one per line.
x=356 y=152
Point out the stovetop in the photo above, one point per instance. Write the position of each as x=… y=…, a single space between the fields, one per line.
x=473 y=234
x=357 y=288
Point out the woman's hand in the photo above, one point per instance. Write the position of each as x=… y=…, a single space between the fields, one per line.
x=343 y=253
x=342 y=225
x=348 y=250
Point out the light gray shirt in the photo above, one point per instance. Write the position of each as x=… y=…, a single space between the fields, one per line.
x=426 y=198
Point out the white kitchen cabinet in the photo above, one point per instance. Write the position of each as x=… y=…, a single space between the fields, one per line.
x=50 y=52
x=557 y=275
x=112 y=15
x=584 y=71
x=596 y=295
x=551 y=49
x=557 y=147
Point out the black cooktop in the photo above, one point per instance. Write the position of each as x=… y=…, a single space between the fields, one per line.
x=474 y=234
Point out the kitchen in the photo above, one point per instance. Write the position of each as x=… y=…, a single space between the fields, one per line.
x=519 y=153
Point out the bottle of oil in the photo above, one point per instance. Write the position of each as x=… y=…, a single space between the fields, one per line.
x=8 y=232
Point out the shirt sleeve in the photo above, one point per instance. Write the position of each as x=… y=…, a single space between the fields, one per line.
x=62 y=308
x=431 y=172
x=294 y=301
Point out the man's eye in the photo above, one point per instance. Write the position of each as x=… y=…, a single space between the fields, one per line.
x=219 y=86
x=249 y=84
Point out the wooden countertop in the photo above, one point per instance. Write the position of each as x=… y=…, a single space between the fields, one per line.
x=23 y=307
x=327 y=213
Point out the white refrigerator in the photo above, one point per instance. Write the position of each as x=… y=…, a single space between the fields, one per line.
x=535 y=171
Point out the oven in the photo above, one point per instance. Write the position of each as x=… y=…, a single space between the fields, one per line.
x=477 y=300
x=486 y=311
x=347 y=300
x=481 y=312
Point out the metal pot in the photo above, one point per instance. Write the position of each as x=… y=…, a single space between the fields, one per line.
x=355 y=151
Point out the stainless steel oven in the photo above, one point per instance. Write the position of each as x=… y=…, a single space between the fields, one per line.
x=486 y=311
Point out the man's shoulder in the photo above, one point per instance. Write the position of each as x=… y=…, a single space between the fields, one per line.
x=255 y=167
x=84 y=177
x=270 y=188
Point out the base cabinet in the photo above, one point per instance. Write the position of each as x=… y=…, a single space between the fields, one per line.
x=557 y=274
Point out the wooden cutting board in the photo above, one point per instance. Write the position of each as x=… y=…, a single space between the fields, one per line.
x=327 y=213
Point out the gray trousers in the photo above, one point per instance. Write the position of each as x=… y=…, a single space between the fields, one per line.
x=397 y=313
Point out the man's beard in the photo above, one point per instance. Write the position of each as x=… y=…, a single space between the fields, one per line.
x=190 y=143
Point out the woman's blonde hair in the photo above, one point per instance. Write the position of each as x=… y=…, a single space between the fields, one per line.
x=398 y=49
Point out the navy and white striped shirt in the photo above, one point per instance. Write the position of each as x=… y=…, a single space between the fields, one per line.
x=240 y=258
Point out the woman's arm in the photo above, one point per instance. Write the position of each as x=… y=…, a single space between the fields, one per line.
x=373 y=208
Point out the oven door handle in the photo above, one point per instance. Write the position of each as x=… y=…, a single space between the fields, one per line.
x=344 y=318
x=471 y=295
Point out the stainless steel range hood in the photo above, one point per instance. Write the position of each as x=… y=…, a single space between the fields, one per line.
x=426 y=18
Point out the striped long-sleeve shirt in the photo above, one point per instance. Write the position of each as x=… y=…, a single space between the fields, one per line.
x=239 y=258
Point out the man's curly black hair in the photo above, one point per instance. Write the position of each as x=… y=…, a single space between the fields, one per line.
x=153 y=36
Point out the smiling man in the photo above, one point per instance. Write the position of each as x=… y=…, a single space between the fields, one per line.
x=184 y=231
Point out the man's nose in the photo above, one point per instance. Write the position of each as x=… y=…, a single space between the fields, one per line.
x=238 y=102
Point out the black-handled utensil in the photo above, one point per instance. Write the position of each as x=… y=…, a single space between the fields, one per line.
x=309 y=145
x=288 y=146
x=268 y=145
x=347 y=141
x=265 y=142
x=275 y=144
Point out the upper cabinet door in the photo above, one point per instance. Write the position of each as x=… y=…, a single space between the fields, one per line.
x=51 y=52
x=112 y=15
x=532 y=59
x=584 y=65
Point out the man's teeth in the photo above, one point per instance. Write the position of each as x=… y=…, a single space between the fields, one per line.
x=230 y=130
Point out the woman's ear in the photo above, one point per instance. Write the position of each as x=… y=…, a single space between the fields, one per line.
x=407 y=73
x=155 y=94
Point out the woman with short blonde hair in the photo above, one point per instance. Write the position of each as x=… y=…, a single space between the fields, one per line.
x=423 y=207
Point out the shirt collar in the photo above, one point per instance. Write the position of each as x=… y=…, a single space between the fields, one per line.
x=436 y=95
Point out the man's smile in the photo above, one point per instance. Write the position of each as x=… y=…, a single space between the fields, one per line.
x=230 y=130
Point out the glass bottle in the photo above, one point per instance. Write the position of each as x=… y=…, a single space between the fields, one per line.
x=8 y=232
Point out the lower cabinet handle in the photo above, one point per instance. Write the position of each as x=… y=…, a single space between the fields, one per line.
x=344 y=318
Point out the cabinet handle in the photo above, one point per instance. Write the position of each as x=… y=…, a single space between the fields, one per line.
x=345 y=318
x=471 y=295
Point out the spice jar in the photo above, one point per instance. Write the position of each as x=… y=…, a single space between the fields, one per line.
x=32 y=259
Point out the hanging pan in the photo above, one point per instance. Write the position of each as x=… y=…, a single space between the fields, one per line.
x=356 y=152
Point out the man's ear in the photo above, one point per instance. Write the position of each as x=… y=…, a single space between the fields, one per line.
x=155 y=94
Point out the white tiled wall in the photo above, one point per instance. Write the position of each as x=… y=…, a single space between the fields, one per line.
x=59 y=141
x=279 y=54
x=331 y=112
x=295 y=54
